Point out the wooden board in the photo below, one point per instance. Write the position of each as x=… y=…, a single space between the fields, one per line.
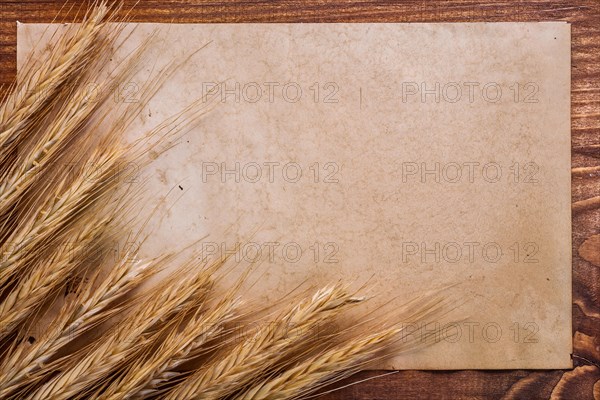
x=581 y=383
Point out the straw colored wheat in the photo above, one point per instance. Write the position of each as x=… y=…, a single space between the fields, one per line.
x=116 y=334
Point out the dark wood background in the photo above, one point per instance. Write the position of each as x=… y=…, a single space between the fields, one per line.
x=581 y=383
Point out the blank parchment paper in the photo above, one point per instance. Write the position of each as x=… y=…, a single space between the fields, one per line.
x=412 y=157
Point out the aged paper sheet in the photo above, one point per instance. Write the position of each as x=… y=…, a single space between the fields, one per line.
x=412 y=157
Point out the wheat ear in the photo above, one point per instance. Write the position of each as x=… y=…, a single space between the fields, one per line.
x=72 y=53
x=25 y=365
x=148 y=373
x=129 y=338
x=49 y=276
x=257 y=353
x=40 y=84
x=54 y=221
x=314 y=372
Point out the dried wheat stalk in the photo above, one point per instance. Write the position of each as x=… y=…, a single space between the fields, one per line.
x=314 y=372
x=95 y=305
x=256 y=354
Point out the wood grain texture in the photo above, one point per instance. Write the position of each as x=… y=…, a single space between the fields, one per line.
x=584 y=15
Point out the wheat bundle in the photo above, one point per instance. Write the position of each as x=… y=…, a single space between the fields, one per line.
x=110 y=338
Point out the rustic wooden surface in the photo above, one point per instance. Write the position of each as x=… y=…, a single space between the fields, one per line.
x=583 y=382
